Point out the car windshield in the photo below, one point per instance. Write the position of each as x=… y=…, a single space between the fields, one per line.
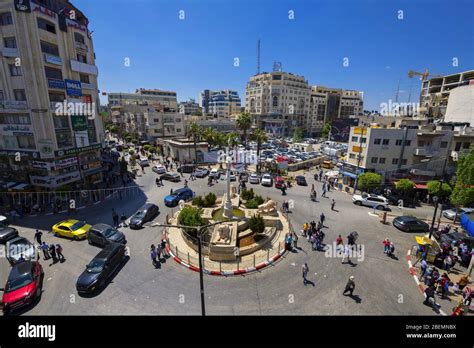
x=77 y=225
x=139 y=214
x=109 y=232
x=17 y=283
x=95 y=266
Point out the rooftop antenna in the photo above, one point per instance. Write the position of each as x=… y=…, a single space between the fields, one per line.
x=258 y=56
x=398 y=91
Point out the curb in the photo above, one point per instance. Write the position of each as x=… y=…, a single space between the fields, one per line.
x=421 y=288
x=226 y=273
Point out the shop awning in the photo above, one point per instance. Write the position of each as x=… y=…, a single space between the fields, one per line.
x=351 y=175
x=421 y=186
x=467 y=222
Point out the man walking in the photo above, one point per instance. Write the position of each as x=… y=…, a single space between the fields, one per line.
x=59 y=252
x=305 y=270
x=115 y=217
x=350 y=286
x=153 y=256
x=424 y=267
x=322 y=217
x=430 y=293
x=333 y=204
x=346 y=254
x=45 y=248
x=52 y=251
x=38 y=235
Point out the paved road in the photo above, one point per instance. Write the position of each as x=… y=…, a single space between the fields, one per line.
x=383 y=285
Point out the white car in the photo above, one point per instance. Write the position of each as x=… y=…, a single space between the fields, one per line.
x=215 y=173
x=144 y=162
x=232 y=176
x=451 y=213
x=159 y=169
x=373 y=201
x=254 y=178
x=267 y=180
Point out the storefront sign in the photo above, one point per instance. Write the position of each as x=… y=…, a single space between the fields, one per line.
x=56 y=84
x=24 y=154
x=73 y=88
x=64 y=163
x=41 y=165
x=43 y=10
x=75 y=25
x=74 y=151
x=49 y=58
x=79 y=123
x=22 y=5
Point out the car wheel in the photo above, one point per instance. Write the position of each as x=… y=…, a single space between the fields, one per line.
x=380 y=207
x=56 y=234
x=75 y=238
x=358 y=203
x=89 y=241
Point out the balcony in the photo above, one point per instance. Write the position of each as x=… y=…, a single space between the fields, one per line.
x=84 y=68
x=10 y=52
x=425 y=152
x=13 y=105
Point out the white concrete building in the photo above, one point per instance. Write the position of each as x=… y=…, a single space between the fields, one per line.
x=461 y=105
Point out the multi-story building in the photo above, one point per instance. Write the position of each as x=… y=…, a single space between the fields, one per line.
x=220 y=104
x=328 y=104
x=435 y=92
x=163 y=124
x=279 y=101
x=144 y=96
x=51 y=133
x=189 y=107
x=420 y=152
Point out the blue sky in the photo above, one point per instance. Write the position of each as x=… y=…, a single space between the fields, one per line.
x=198 y=52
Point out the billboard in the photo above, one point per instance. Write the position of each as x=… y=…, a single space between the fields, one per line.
x=341 y=128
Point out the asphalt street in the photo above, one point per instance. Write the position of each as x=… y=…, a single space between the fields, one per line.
x=383 y=285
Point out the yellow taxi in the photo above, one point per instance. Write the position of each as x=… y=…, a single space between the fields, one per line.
x=71 y=228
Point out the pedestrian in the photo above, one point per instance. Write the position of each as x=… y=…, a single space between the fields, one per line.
x=429 y=293
x=333 y=204
x=305 y=229
x=338 y=240
x=153 y=256
x=295 y=240
x=163 y=248
x=304 y=271
x=350 y=286
x=115 y=217
x=386 y=245
x=171 y=191
x=322 y=217
x=123 y=219
x=158 y=251
x=45 y=248
x=346 y=254
x=38 y=235
x=59 y=252
x=288 y=242
x=52 y=251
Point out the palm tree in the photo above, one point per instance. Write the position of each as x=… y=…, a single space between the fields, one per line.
x=243 y=123
x=260 y=136
x=233 y=139
x=210 y=135
x=194 y=131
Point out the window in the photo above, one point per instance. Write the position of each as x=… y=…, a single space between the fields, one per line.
x=26 y=141
x=61 y=122
x=382 y=160
x=404 y=162
x=14 y=70
x=421 y=143
x=374 y=160
x=6 y=18
x=363 y=140
x=82 y=58
x=457 y=147
x=79 y=38
x=2 y=97
x=64 y=139
x=49 y=48
x=352 y=156
x=443 y=144
x=407 y=142
x=15 y=119
x=275 y=101
x=395 y=161
x=377 y=141
x=398 y=142
x=354 y=139
x=56 y=97
x=46 y=25
x=466 y=145
x=386 y=142
x=10 y=42
x=52 y=73
x=19 y=94
x=84 y=78
x=92 y=134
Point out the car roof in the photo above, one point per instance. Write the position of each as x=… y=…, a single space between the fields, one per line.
x=147 y=206
x=20 y=269
x=108 y=249
x=68 y=222
x=101 y=227
x=407 y=218
x=183 y=189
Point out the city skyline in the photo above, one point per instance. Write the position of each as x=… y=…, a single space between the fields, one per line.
x=199 y=56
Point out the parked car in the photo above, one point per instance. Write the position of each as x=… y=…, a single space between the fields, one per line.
x=71 y=228
x=7 y=233
x=201 y=172
x=451 y=213
x=174 y=177
x=103 y=234
x=379 y=202
x=4 y=221
x=279 y=182
x=144 y=162
x=254 y=178
x=147 y=213
x=243 y=177
x=159 y=169
x=410 y=224
x=232 y=176
x=24 y=286
x=173 y=199
x=457 y=237
x=215 y=173
x=101 y=268
x=267 y=180
x=301 y=180
x=186 y=168
x=20 y=247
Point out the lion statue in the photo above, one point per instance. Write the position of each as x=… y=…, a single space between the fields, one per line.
x=267 y=207
x=224 y=232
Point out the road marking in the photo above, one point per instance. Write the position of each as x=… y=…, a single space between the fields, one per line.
x=49 y=279
x=98 y=202
x=62 y=211
x=81 y=207
x=293 y=264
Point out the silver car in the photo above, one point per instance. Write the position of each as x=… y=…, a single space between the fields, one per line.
x=451 y=213
x=20 y=247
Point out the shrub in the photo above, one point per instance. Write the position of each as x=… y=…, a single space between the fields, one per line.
x=254 y=202
x=146 y=147
x=198 y=201
x=257 y=224
x=247 y=194
x=210 y=200
x=190 y=216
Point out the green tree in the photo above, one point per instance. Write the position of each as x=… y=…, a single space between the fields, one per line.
x=146 y=147
x=190 y=216
x=298 y=135
x=244 y=122
x=405 y=186
x=260 y=136
x=257 y=224
x=368 y=181
x=463 y=192
x=232 y=139
x=194 y=132
x=326 y=130
x=435 y=188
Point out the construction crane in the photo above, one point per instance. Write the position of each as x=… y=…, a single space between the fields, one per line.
x=423 y=76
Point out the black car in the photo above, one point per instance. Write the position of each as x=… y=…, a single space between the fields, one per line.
x=171 y=177
x=103 y=234
x=301 y=180
x=457 y=237
x=101 y=267
x=7 y=233
x=186 y=168
x=145 y=214
x=410 y=224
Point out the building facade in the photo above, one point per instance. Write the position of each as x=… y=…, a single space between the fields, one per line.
x=220 y=104
x=49 y=107
x=435 y=92
x=144 y=96
x=189 y=107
